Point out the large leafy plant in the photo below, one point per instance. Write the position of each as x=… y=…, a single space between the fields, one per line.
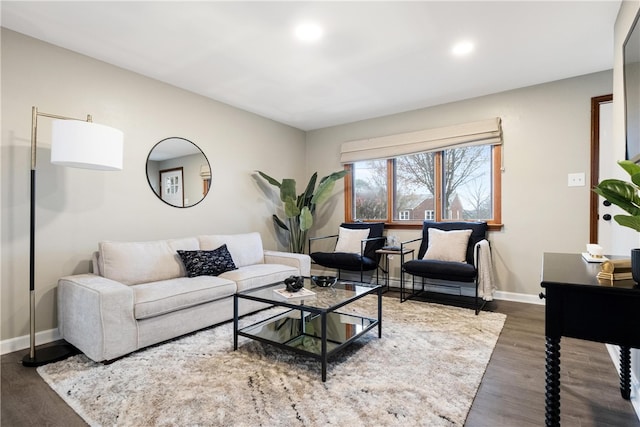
x=624 y=195
x=300 y=208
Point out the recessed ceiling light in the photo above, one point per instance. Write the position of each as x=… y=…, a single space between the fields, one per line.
x=308 y=32
x=462 y=48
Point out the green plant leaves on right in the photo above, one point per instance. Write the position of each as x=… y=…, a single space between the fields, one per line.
x=624 y=195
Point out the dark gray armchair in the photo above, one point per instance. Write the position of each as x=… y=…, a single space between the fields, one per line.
x=447 y=273
x=365 y=260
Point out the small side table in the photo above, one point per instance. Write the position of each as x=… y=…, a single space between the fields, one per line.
x=385 y=252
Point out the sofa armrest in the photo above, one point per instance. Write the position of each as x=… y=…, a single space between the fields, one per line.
x=95 y=314
x=300 y=261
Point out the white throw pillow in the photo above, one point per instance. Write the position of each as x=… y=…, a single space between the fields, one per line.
x=349 y=239
x=447 y=245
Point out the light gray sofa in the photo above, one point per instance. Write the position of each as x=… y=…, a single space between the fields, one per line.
x=139 y=294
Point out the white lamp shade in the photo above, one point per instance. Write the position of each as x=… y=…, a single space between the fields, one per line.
x=205 y=171
x=86 y=145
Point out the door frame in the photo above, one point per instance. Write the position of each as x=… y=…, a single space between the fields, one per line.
x=594 y=216
x=163 y=171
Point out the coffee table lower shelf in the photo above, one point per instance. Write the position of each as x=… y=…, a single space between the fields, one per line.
x=318 y=335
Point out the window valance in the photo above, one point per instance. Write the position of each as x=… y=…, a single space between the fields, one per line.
x=385 y=147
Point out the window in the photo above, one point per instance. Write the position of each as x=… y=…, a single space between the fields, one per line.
x=370 y=190
x=451 y=184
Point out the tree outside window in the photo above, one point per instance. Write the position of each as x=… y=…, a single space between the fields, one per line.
x=370 y=190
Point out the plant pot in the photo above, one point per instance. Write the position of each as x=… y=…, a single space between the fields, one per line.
x=635 y=264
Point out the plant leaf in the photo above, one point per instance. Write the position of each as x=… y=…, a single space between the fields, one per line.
x=334 y=176
x=290 y=208
x=306 y=219
x=326 y=187
x=288 y=190
x=628 y=221
x=280 y=223
x=621 y=194
x=269 y=179
x=305 y=198
x=631 y=168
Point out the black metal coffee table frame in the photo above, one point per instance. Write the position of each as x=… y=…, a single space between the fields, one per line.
x=297 y=329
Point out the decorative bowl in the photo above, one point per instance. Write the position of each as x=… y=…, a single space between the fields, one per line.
x=324 y=281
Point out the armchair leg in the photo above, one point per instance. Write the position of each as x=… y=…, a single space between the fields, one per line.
x=480 y=303
x=477 y=302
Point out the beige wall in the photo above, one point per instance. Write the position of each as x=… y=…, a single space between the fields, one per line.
x=546 y=136
x=76 y=208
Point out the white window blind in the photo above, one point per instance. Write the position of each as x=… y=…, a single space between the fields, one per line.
x=386 y=147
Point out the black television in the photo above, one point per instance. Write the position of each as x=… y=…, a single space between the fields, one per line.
x=631 y=59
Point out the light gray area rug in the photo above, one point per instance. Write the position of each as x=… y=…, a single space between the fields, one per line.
x=424 y=371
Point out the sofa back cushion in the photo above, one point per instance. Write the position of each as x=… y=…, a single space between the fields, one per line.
x=133 y=263
x=245 y=249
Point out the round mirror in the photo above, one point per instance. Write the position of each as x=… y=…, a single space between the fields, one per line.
x=178 y=172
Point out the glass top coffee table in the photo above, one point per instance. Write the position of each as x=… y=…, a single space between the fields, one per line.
x=313 y=326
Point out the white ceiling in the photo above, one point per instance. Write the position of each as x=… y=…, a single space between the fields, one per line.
x=375 y=59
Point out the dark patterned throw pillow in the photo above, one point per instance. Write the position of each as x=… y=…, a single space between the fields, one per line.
x=207 y=263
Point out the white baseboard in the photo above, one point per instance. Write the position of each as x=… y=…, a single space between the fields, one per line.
x=22 y=343
x=614 y=353
x=516 y=297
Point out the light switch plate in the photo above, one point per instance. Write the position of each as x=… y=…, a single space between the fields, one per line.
x=576 y=179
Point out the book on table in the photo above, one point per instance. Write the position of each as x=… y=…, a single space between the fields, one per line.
x=619 y=269
x=288 y=295
x=615 y=276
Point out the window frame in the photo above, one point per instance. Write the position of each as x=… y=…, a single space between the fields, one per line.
x=494 y=224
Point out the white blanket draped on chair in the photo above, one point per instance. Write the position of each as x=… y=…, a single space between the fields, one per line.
x=486 y=282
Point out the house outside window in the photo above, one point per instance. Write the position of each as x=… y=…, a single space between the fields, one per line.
x=404 y=215
x=429 y=215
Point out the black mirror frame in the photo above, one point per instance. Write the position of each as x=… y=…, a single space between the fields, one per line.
x=207 y=187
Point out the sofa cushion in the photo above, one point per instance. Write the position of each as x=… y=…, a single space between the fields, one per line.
x=442 y=270
x=253 y=276
x=157 y=298
x=344 y=261
x=207 y=263
x=246 y=249
x=132 y=263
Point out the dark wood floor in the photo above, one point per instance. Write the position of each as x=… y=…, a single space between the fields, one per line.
x=511 y=393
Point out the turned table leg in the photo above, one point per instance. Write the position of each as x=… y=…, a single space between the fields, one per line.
x=625 y=372
x=552 y=382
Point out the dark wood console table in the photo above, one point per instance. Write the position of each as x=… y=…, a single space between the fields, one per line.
x=579 y=306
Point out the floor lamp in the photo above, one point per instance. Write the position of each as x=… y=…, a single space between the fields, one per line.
x=74 y=143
